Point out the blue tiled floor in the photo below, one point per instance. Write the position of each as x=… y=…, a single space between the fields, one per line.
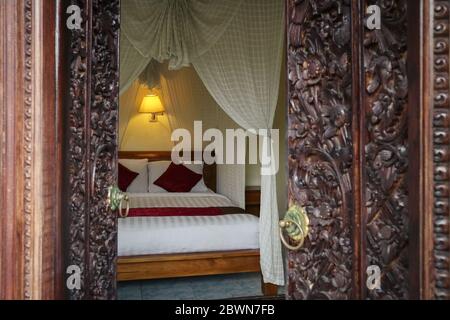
x=199 y=288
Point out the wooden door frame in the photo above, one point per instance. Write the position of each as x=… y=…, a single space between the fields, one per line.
x=434 y=137
x=429 y=154
x=30 y=171
x=32 y=87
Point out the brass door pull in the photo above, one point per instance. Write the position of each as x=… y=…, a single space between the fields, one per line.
x=296 y=226
x=116 y=199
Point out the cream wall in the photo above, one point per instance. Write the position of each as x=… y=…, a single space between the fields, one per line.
x=138 y=134
x=142 y=135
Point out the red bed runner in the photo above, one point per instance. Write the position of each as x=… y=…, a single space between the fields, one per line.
x=186 y=212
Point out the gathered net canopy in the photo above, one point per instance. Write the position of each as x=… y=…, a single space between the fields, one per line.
x=177 y=31
x=236 y=48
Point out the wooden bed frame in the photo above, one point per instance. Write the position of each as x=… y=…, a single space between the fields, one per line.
x=166 y=266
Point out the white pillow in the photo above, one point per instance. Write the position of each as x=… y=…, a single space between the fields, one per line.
x=156 y=169
x=140 y=184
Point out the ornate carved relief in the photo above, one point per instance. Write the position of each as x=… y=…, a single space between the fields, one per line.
x=441 y=136
x=76 y=153
x=93 y=121
x=103 y=130
x=386 y=149
x=320 y=146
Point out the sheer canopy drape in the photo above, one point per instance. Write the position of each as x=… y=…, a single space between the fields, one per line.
x=236 y=47
x=173 y=30
x=178 y=91
x=187 y=100
x=242 y=72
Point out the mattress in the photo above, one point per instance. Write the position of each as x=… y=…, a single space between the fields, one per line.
x=186 y=234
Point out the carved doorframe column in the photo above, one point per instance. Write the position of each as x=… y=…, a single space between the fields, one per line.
x=436 y=242
x=430 y=129
x=30 y=255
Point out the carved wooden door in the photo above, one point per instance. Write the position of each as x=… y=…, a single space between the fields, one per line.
x=357 y=147
x=358 y=159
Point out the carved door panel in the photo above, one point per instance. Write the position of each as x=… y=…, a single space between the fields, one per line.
x=349 y=150
x=92 y=91
x=321 y=146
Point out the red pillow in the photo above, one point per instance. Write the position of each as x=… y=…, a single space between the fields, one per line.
x=126 y=177
x=178 y=178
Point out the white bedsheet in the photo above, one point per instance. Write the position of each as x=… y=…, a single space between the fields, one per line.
x=166 y=235
x=176 y=200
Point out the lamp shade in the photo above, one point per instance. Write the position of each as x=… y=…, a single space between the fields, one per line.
x=151 y=104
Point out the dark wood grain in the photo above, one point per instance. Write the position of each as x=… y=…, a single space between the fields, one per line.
x=419 y=80
x=359 y=245
x=427 y=139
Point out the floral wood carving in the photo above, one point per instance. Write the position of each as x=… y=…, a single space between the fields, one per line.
x=386 y=149
x=320 y=146
x=441 y=135
x=77 y=168
x=103 y=132
x=93 y=118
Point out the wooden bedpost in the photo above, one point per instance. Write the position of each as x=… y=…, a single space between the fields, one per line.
x=268 y=289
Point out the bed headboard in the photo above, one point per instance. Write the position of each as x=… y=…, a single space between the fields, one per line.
x=209 y=171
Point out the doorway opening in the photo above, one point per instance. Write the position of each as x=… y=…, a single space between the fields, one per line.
x=194 y=239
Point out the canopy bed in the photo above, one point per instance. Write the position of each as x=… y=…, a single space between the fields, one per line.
x=236 y=49
x=155 y=242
